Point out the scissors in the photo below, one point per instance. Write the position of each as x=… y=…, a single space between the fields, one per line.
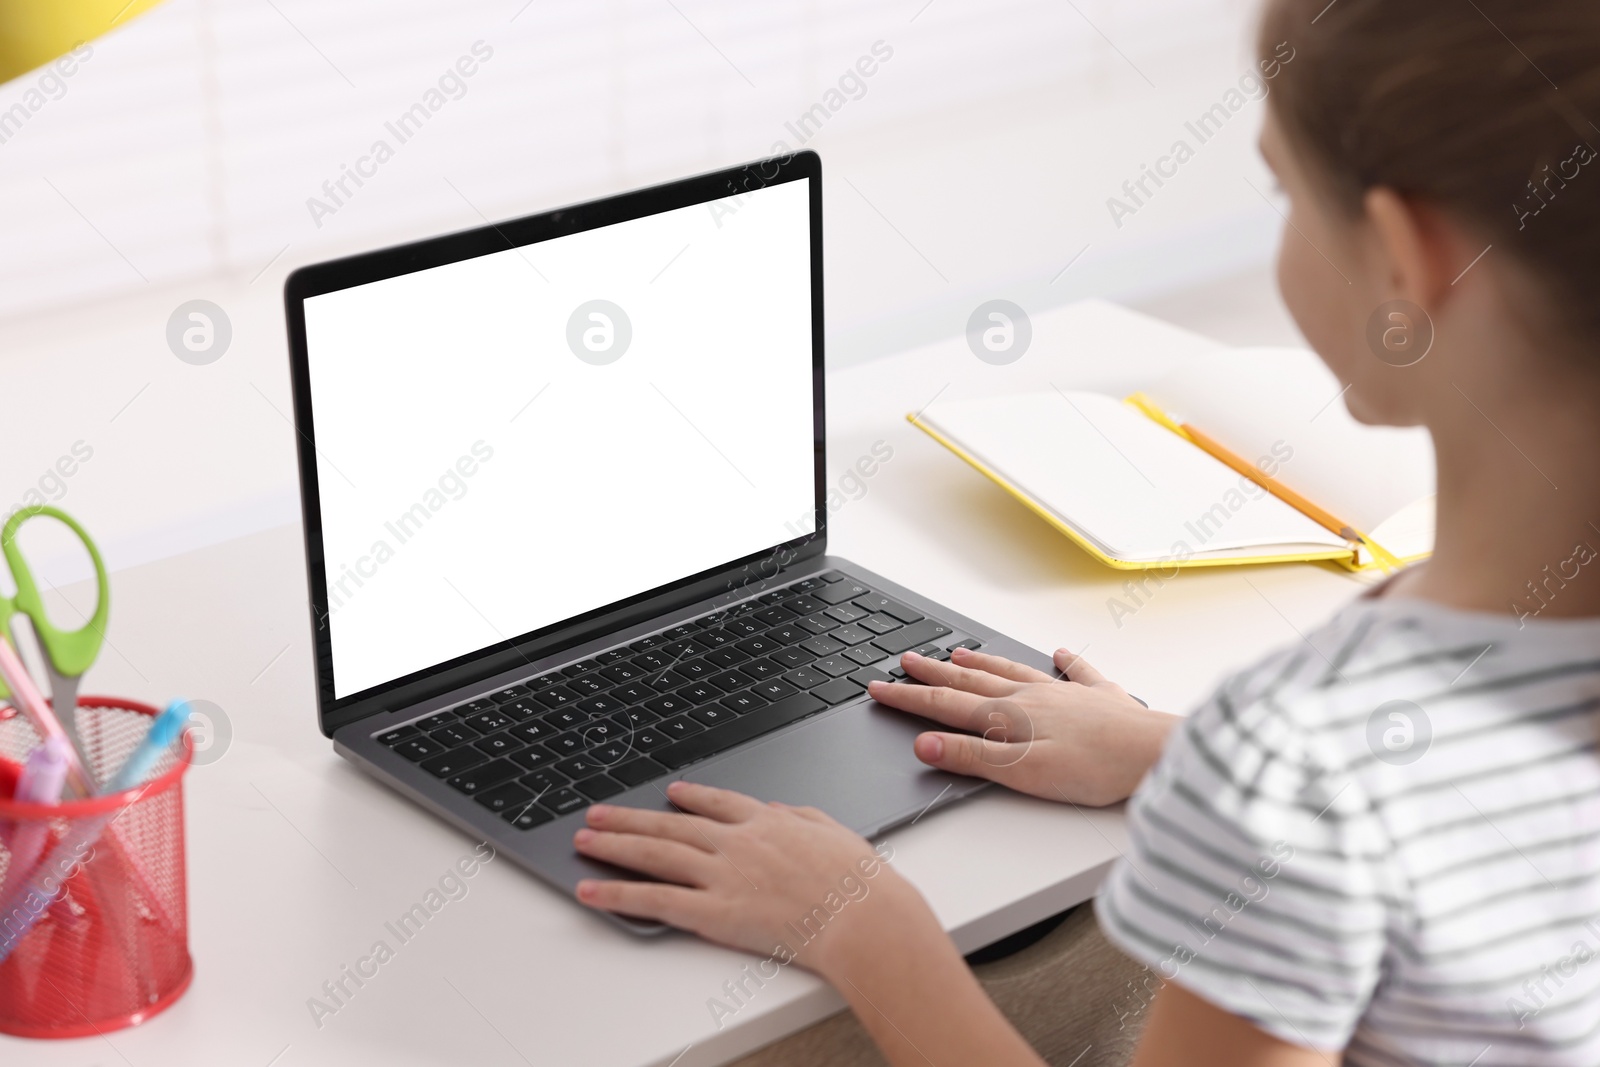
x=67 y=653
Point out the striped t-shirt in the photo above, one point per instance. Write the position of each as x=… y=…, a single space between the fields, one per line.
x=1385 y=838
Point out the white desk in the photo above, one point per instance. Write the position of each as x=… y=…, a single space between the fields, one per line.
x=297 y=860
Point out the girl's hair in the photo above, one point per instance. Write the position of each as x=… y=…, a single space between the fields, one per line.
x=1486 y=109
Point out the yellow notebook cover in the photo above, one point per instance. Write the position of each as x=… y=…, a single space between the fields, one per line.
x=1348 y=557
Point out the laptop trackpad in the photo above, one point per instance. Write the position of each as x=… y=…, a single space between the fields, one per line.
x=857 y=765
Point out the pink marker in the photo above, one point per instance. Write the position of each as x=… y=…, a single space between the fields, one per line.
x=34 y=706
x=43 y=777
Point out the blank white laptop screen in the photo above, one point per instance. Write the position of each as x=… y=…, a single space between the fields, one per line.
x=513 y=440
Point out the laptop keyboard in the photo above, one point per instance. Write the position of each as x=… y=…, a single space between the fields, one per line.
x=590 y=730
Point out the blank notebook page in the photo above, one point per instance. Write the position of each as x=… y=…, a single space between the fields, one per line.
x=1132 y=487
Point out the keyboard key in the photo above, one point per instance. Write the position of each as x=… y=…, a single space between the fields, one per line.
x=588 y=685
x=634 y=718
x=665 y=680
x=717 y=638
x=502 y=744
x=398 y=734
x=805 y=678
x=574 y=670
x=918 y=633
x=558 y=696
x=879 y=624
x=666 y=704
x=803 y=605
x=480 y=778
x=774 y=615
x=834 y=666
x=619 y=673
x=793 y=657
x=837 y=691
x=417 y=749
x=679 y=650
x=652 y=661
x=817 y=624
x=726 y=657
x=451 y=736
x=637 y=771
x=533 y=731
x=700 y=693
x=869 y=674
x=541 y=781
x=758 y=646
x=846 y=613
x=601 y=705
x=696 y=669
x=599 y=787
x=544 y=681
x=610 y=754
x=533 y=759
x=873 y=602
x=774 y=690
x=453 y=762
x=600 y=731
x=764 y=668
x=528 y=817
x=839 y=592
x=929 y=650
x=481 y=704
x=487 y=722
x=864 y=655
x=508 y=694
x=711 y=715
x=851 y=635
x=565 y=719
x=679 y=633
x=616 y=655
x=505 y=797
x=645 y=740
x=681 y=726
x=971 y=642
x=434 y=722
x=808 y=585
x=632 y=693
x=832 y=576
x=579 y=766
x=788 y=635
x=563 y=801
x=774 y=596
x=743 y=702
x=822 y=646
x=745 y=627
x=567 y=744
x=731 y=681
x=758 y=722
x=645 y=644
x=522 y=710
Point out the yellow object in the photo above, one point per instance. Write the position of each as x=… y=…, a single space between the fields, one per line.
x=1347 y=557
x=34 y=32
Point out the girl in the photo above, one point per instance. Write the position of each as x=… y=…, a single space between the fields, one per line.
x=1381 y=844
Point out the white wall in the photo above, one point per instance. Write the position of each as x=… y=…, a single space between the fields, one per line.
x=178 y=162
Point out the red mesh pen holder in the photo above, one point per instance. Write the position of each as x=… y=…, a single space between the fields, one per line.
x=110 y=948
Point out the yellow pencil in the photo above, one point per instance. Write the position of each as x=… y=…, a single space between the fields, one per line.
x=1215 y=449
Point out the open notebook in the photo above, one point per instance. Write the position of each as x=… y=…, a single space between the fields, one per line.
x=1132 y=488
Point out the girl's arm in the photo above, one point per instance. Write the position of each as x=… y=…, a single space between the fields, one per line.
x=1184 y=1029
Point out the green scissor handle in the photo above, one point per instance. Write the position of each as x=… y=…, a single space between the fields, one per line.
x=70 y=652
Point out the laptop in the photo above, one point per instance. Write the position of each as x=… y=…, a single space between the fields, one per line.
x=564 y=492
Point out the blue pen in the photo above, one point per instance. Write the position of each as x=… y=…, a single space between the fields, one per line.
x=163 y=733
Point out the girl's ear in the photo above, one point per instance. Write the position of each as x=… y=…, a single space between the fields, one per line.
x=1418 y=245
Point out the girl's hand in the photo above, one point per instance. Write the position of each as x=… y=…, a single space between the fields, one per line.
x=760 y=877
x=1083 y=740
